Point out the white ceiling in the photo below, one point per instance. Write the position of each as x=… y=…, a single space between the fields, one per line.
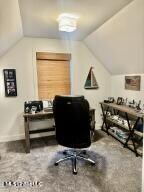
x=113 y=31
x=39 y=16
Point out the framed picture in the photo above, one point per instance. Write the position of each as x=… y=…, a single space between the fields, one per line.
x=10 y=82
x=120 y=101
x=132 y=83
x=111 y=99
x=50 y=104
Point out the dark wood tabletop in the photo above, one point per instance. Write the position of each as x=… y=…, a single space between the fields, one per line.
x=124 y=108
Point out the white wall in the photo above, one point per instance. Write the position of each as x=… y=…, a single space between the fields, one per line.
x=10 y=24
x=118 y=88
x=22 y=58
x=119 y=43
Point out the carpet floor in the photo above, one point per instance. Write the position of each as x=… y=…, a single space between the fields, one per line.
x=116 y=170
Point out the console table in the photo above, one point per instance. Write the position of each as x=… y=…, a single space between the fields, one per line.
x=126 y=118
x=45 y=115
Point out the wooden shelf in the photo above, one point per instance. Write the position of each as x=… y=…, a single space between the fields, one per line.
x=130 y=145
x=124 y=109
x=126 y=119
x=124 y=126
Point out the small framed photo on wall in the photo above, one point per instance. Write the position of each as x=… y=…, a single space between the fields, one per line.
x=10 y=82
x=132 y=83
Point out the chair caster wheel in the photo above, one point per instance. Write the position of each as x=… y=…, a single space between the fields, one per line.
x=64 y=153
x=84 y=152
x=92 y=164
x=75 y=173
x=56 y=164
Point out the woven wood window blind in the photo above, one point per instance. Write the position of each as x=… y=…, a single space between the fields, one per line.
x=53 y=72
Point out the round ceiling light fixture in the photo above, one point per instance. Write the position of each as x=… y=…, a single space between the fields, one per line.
x=67 y=22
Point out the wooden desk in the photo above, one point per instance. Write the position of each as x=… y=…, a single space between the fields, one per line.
x=131 y=118
x=35 y=117
x=45 y=115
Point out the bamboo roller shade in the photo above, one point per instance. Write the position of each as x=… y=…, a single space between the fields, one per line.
x=53 y=78
x=53 y=56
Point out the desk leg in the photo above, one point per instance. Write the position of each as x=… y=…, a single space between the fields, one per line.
x=92 y=119
x=131 y=134
x=27 y=136
x=104 y=119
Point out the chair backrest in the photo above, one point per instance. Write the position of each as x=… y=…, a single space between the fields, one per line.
x=72 y=121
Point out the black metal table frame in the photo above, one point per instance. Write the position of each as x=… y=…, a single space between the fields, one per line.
x=131 y=128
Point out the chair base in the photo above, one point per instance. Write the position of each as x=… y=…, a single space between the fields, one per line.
x=74 y=156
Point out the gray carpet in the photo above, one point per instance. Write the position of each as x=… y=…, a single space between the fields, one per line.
x=117 y=169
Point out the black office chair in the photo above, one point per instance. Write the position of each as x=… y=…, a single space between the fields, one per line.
x=72 y=123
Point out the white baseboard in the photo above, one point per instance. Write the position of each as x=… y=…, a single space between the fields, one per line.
x=12 y=138
x=22 y=136
x=98 y=126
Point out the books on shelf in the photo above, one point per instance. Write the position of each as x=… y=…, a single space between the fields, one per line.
x=122 y=134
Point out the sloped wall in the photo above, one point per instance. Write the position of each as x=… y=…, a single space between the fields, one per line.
x=119 y=43
x=118 y=88
x=10 y=24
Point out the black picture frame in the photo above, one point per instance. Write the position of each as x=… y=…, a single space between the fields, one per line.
x=10 y=82
x=120 y=101
x=111 y=99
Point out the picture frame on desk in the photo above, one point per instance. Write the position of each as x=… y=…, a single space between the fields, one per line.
x=47 y=105
x=50 y=104
x=111 y=99
x=120 y=101
x=10 y=82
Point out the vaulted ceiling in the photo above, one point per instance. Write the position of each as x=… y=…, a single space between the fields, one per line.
x=39 y=17
x=112 y=29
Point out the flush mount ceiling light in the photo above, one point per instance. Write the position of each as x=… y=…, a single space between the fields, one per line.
x=67 y=22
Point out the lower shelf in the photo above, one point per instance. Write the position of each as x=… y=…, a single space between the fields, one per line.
x=42 y=130
x=139 y=147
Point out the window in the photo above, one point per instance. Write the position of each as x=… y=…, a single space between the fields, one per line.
x=53 y=74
